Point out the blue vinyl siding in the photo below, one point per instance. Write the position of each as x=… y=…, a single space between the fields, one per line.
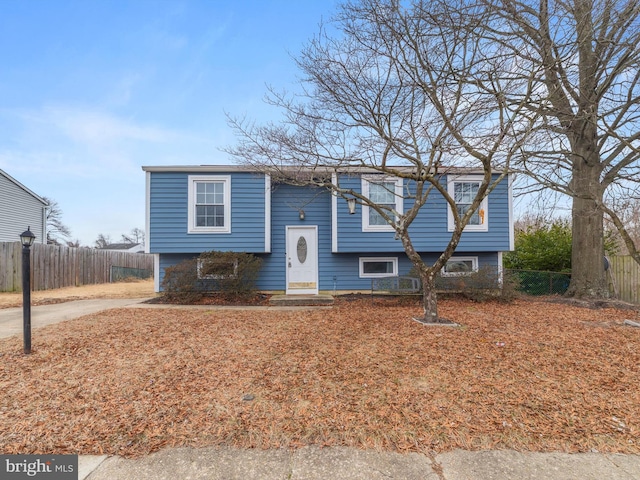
x=168 y=227
x=168 y=216
x=338 y=271
x=429 y=231
x=343 y=271
x=286 y=202
x=169 y=260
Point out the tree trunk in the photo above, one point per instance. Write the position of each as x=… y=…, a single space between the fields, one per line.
x=587 y=257
x=429 y=298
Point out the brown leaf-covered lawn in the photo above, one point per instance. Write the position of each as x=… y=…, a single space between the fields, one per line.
x=526 y=376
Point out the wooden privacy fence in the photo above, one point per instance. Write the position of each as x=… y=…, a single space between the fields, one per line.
x=54 y=266
x=624 y=278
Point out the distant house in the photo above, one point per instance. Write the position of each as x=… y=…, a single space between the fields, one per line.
x=125 y=247
x=20 y=208
x=308 y=239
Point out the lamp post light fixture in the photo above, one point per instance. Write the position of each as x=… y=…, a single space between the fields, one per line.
x=26 y=238
x=351 y=203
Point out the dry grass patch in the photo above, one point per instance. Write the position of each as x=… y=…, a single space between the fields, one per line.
x=129 y=289
x=528 y=376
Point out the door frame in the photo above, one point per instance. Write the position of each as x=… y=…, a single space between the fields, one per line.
x=301 y=291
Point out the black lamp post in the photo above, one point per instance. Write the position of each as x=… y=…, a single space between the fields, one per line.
x=27 y=239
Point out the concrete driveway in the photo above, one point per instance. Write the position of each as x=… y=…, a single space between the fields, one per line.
x=11 y=318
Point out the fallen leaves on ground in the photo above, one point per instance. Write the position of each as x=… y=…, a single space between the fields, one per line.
x=528 y=376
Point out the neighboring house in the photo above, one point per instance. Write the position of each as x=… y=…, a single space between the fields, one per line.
x=20 y=208
x=307 y=238
x=124 y=247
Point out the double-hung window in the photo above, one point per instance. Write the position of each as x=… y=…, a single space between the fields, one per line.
x=464 y=190
x=384 y=192
x=209 y=204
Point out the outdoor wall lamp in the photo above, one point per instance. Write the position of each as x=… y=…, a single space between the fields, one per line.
x=26 y=238
x=301 y=214
x=351 y=203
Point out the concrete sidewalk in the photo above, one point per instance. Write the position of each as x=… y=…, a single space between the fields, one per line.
x=337 y=463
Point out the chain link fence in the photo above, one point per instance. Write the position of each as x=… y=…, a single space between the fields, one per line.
x=540 y=283
x=487 y=279
x=119 y=274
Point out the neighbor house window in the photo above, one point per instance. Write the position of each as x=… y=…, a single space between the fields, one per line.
x=372 y=267
x=209 y=204
x=217 y=269
x=463 y=190
x=383 y=192
x=460 y=266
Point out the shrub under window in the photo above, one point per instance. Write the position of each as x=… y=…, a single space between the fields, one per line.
x=230 y=274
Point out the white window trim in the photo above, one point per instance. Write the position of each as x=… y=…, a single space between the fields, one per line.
x=267 y=213
x=484 y=205
x=474 y=267
x=365 y=208
x=393 y=260
x=192 y=180
x=334 y=216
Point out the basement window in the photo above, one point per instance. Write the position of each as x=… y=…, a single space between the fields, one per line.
x=217 y=269
x=376 y=267
x=457 y=266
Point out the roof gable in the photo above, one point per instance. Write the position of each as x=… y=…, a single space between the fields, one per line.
x=19 y=185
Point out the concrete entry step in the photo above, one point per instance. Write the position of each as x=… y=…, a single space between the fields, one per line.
x=301 y=300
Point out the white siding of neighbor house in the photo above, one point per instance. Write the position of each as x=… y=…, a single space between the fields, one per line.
x=20 y=208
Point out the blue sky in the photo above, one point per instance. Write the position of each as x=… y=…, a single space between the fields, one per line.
x=92 y=90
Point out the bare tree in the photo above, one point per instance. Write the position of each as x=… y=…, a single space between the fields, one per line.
x=586 y=99
x=135 y=236
x=57 y=232
x=403 y=92
x=624 y=219
x=102 y=241
x=535 y=220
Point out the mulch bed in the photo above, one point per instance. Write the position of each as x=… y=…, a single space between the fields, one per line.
x=530 y=375
x=257 y=299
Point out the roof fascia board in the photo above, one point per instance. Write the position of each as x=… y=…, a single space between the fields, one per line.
x=34 y=195
x=346 y=171
x=198 y=168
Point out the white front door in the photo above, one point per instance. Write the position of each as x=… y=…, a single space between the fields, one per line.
x=302 y=260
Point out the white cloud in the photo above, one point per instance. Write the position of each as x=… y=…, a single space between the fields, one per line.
x=123 y=90
x=93 y=127
x=90 y=140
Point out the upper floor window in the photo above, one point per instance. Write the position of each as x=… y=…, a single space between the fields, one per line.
x=384 y=192
x=209 y=204
x=463 y=190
